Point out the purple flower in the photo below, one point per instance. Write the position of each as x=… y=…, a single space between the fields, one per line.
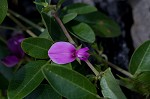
x=14 y=45
x=64 y=52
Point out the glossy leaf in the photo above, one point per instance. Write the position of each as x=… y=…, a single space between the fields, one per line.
x=110 y=87
x=80 y=8
x=44 y=92
x=3 y=9
x=26 y=80
x=140 y=61
x=36 y=47
x=101 y=24
x=69 y=83
x=68 y=17
x=83 y=32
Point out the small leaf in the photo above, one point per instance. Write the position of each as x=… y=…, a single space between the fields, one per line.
x=69 y=83
x=41 y=3
x=80 y=8
x=44 y=92
x=60 y=2
x=45 y=34
x=102 y=25
x=83 y=32
x=110 y=87
x=3 y=9
x=140 y=61
x=68 y=17
x=36 y=47
x=26 y=80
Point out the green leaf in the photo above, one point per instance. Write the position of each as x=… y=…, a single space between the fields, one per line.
x=44 y=92
x=83 y=32
x=102 y=25
x=80 y=8
x=110 y=87
x=3 y=9
x=60 y=2
x=68 y=17
x=36 y=47
x=53 y=28
x=26 y=80
x=69 y=83
x=68 y=66
x=45 y=34
x=140 y=61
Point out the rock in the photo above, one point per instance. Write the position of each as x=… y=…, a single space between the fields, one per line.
x=141 y=27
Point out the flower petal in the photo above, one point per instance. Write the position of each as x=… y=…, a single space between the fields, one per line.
x=14 y=44
x=10 y=61
x=82 y=54
x=62 y=53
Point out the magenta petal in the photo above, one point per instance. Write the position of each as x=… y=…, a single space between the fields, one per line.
x=62 y=53
x=10 y=61
x=14 y=45
x=82 y=54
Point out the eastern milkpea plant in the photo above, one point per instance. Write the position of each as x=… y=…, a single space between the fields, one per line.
x=64 y=60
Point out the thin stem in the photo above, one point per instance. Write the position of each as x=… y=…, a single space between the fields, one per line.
x=72 y=41
x=63 y=28
x=6 y=27
x=26 y=20
x=21 y=25
x=119 y=69
x=113 y=66
x=92 y=68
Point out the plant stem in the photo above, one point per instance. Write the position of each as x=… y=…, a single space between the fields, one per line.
x=100 y=59
x=21 y=25
x=72 y=41
x=119 y=69
x=92 y=68
x=64 y=29
x=26 y=20
x=6 y=27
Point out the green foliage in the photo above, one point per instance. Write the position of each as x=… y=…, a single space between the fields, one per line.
x=68 y=17
x=44 y=92
x=140 y=61
x=69 y=83
x=26 y=80
x=110 y=87
x=102 y=25
x=3 y=9
x=80 y=8
x=36 y=47
x=83 y=32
